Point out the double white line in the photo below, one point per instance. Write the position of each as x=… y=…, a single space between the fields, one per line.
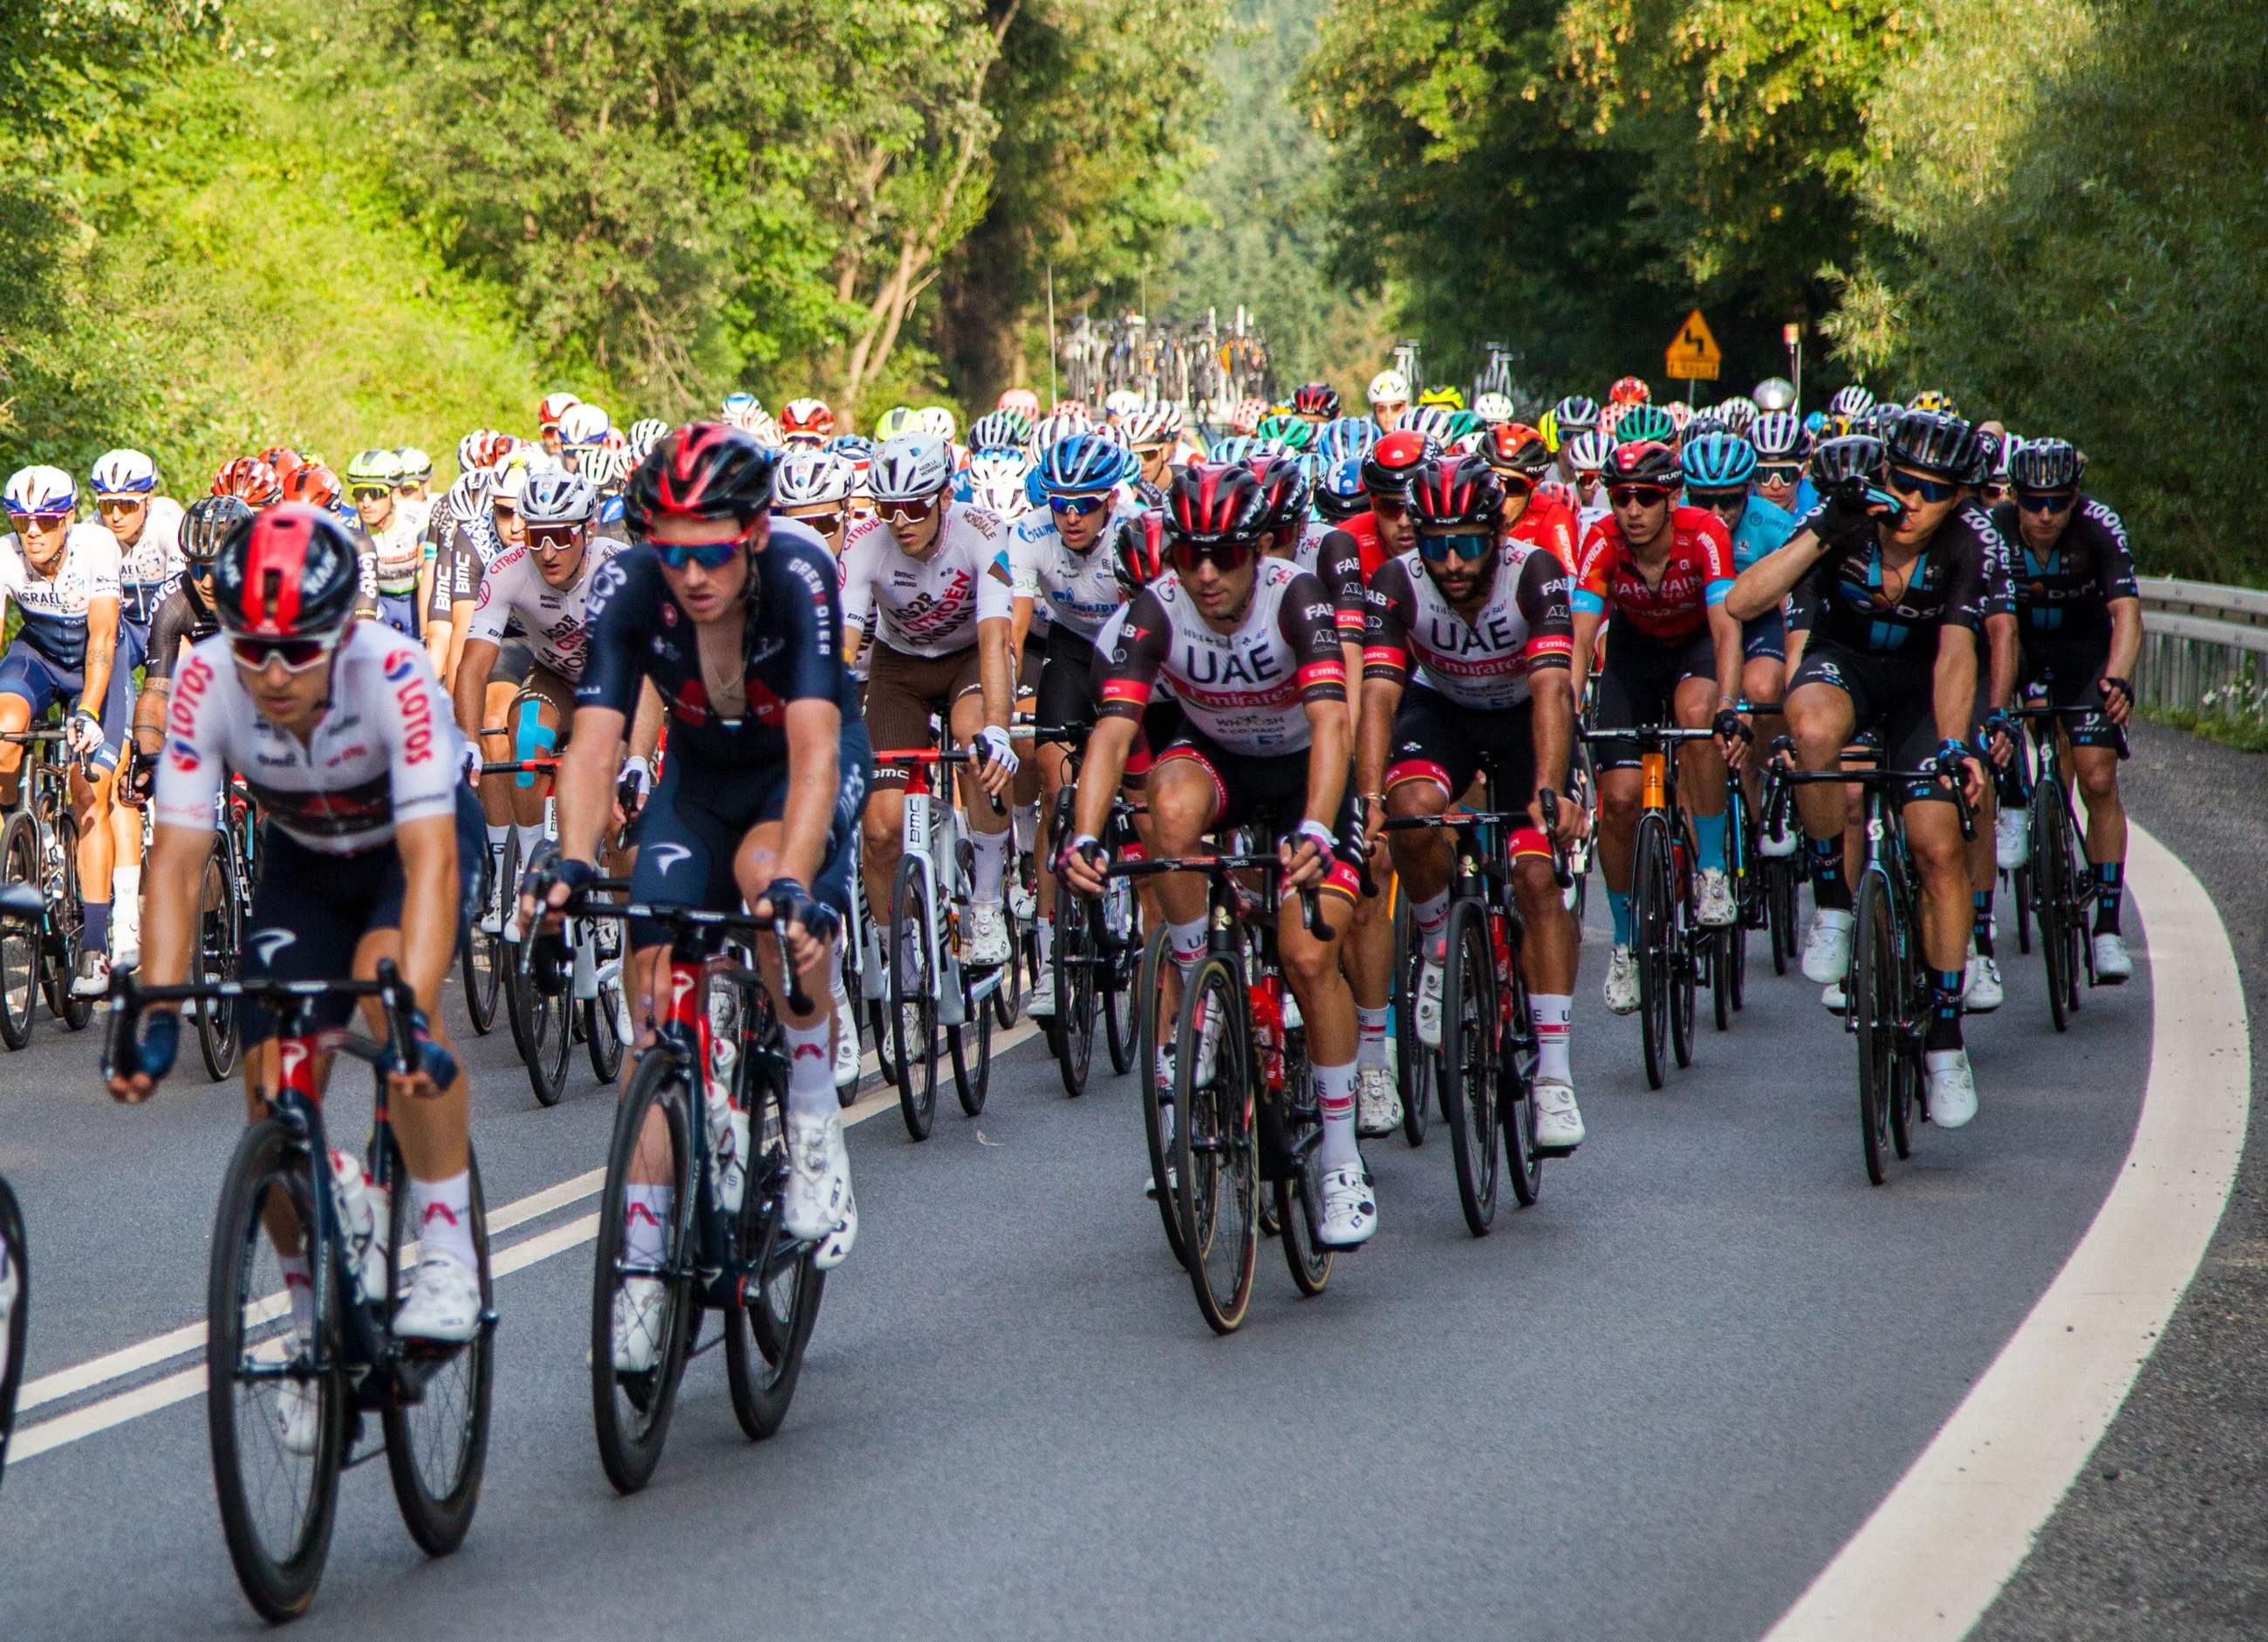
x=179 y=1387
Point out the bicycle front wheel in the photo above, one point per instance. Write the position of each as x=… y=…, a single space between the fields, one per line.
x=1075 y=959
x=913 y=1000
x=1122 y=947
x=1216 y=1162
x=220 y=937
x=1157 y=1109
x=548 y=1021
x=1654 y=928
x=971 y=1044
x=643 y=1306
x=1877 y=980
x=20 y=946
x=2050 y=866
x=1413 y=1061
x=601 y=1015
x=771 y=1323
x=275 y=1400
x=68 y=911
x=436 y=1447
x=15 y=1312
x=1469 y=1073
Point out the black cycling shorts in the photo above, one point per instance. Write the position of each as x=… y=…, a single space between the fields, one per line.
x=699 y=812
x=1434 y=739
x=1764 y=637
x=2064 y=671
x=310 y=909
x=1272 y=793
x=1894 y=695
x=1638 y=685
x=1066 y=694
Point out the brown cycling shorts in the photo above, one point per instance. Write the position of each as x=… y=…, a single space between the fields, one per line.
x=903 y=691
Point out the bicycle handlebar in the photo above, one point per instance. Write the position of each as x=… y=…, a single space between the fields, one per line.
x=1219 y=866
x=1658 y=733
x=932 y=756
x=122 y=1056
x=1546 y=800
x=1779 y=778
x=679 y=920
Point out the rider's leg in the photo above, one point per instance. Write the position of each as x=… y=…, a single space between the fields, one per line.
x=1184 y=802
x=15 y=718
x=91 y=808
x=1366 y=954
x=988 y=833
x=1622 y=793
x=1547 y=962
x=1052 y=767
x=1762 y=679
x=1312 y=967
x=1701 y=772
x=1820 y=718
x=2096 y=768
x=1942 y=857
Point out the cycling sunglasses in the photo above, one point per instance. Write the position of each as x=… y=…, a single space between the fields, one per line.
x=1389 y=504
x=1998 y=492
x=199 y=573
x=907 y=512
x=1225 y=555
x=1778 y=473
x=371 y=492
x=554 y=538
x=1514 y=483
x=120 y=504
x=710 y=555
x=1468 y=547
x=1719 y=501
x=297 y=655
x=1077 y=506
x=825 y=524
x=1637 y=496
x=2045 y=501
x=1928 y=489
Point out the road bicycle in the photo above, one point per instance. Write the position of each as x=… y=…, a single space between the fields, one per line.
x=1767 y=884
x=224 y=906
x=19 y=902
x=705 y=1113
x=39 y=846
x=929 y=987
x=1886 y=990
x=2056 y=884
x=483 y=954
x=1485 y=1067
x=1098 y=942
x=1255 y=1119
x=287 y=1395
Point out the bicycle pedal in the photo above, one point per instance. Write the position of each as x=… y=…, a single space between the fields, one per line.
x=1553 y=1151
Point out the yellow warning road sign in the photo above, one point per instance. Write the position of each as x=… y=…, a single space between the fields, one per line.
x=1692 y=354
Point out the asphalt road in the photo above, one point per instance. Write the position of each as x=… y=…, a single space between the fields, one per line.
x=1653 y=1406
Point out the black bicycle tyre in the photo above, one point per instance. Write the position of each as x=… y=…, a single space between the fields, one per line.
x=1074 y=958
x=507 y=955
x=480 y=958
x=1216 y=1179
x=913 y=1016
x=629 y=1450
x=1651 y=929
x=549 y=1022
x=16 y=1291
x=20 y=961
x=279 y=1587
x=1119 y=1028
x=602 y=1022
x=972 y=1070
x=2051 y=898
x=438 y=1519
x=1469 y=1051
x=764 y=1340
x=1687 y=953
x=2019 y=882
x=220 y=939
x=72 y=1010
x=1157 y=1108
x=1413 y=1068
x=1298 y=1200
x=1515 y=1096
x=1876 y=981
x=1719 y=942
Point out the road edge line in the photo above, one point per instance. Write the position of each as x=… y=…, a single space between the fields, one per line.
x=1935 y=1553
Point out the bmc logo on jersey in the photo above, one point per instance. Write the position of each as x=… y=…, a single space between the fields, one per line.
x=398 y=665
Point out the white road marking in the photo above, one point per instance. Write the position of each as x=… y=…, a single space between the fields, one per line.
x=179 y=1387
x=1933 y=1556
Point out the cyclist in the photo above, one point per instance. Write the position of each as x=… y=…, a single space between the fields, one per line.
x=1662 y=572
x=1389 y=397
x=1521 y=462
x=2079 y=618
x=147 y=527
x=731 y=615
x=1465 y=666
x=1315 y=403
x=548 y=413
x=251 y=481
x=1251 y=649
x=340 y=729
x=62 y=575
x=397 y=540
x=1892 y=592
x=465 y=541
x=813 y=487
x=1152 y=431
x=186 y=616
x=1780 y=442
x=910 y=589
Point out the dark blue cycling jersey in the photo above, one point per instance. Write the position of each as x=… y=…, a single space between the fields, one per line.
x=793 y=646
x=1959 y=579
x=2067 y=590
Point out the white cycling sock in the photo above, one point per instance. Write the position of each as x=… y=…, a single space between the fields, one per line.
x=1554 y=1022
x=991 y=862
x=531 y=840
x=1043 y=930
x=126 y=897
x=1188 y=941
x=1334 y=1093
x=810 y=1071
x=1027 y=824
x=645 y=1220
x=835 y=987
x=499 y=833
x=444 y=1209
x=1431 y=914
x=1370 y=1028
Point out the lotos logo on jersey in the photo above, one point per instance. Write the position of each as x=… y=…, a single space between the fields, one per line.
x=187 y=692
x=416 y=722
x=400 y=665
x=182 y=755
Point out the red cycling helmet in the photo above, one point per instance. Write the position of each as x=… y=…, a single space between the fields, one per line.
x=288 y=573
x=282 y=459
x=1284 y=482
x=1315 y=399
x=311 y=484
x=1222 y=503
x=552 y=407
x=1515 y=447
x=1137 y=551
x=806 y=418
x=704 y=470
x=1630 y=391
x=250 y=480
x=1456 y=490
x=1387 y=468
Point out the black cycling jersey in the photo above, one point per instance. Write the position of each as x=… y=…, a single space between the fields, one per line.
x=793 y=645
x=1959 y=578
x=182 y=618
x=2067 y=591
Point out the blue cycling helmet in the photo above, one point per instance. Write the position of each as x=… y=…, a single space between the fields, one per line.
x=1083 y=464
x=1718 y=460
x=1338 y=493
x=1348 y=436
x=1814 y=424
x=857 y=447
x=1232 y=450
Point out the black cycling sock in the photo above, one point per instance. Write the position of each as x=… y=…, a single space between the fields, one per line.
x=1828 y=888
x=1983 y=924
x=2109 y=889
x=1945 y=1012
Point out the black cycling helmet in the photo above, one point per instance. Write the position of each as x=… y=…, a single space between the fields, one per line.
x=2047 y=465
x=206 y=525
x=1936 y=442
x=1137 y=551
x=1837 y=463
x=1207 y=503
x=290 y=572
x=1315 y=399
x=1285 y=482
x=1456 y=492
x=706 y=470
x=1646 y=462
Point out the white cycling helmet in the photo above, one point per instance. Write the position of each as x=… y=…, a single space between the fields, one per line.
x=997 y=481
x=470 y=493
x=643 y=435
x=1153 y=423
x=1492 y=409
x=1052 y=431
x=1432 y=421
x=808 y=478
x=416 y=465
x=583 y=424
x=1737 y=414
x=124 y=472
x=1774 y=392
x=605 y=466
x=1390 y=387
x=937 y=420
x=1852 y=401
x=1586 y=452
x=557 y=498
x=739 y=408
x=41 y=492
x=1776 y=433
x=911 y=468
x=1121 y=402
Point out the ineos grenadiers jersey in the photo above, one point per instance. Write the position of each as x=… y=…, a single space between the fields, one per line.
x=1333 y=556
x=1074 y=591
x=1950 y=582
x=1248 y=690
x=55 y=611
x=2067 y=590
x=792 y=647
x=386 y=750
x=514 y=597
x=917 y=608
x=147 y=570
x=1695 y=576
x=1484 y=663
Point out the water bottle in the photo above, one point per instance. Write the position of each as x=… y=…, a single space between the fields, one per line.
x=364 y=1221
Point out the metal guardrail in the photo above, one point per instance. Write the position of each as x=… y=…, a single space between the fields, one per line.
x=2205 y=647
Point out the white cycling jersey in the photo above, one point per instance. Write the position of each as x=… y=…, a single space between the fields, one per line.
x=398 y=553
x=917 y=608
x=146 y=570
x=386 y=750
x=54 y=609
x=1077 y=591
x=552 y=618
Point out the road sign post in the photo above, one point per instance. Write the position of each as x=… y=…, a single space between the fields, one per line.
x=1693 y=354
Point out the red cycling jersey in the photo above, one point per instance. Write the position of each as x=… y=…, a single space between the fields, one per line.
x=1699 y=573
x=1550 y=524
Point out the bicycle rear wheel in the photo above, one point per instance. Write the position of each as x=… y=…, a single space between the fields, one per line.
x=638 y=1334
x=506 y=954
x=601 y=1016
x=971 y=1044
x=276 y=1421
x=1654 y=929
x=1515 y=1096
x=436 y=1447
x=2051 y=895
x=1074 y=963
x=480 y=955
x=1413 y=1061
x=19 y=946
x=1216 y=1163
x=913 y=1000
x=1155 y=1025
x=15 y=1312
x=1877 y=980
x=767 y=1328
x=1719 y=943
x=1122 y=943
x=1690 y=949
x=69 y=915
x=220 y=937
x=1298 y=1199
x=1468 y=1071
x=548 y=1020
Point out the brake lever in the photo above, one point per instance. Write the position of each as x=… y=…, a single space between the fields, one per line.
x=1311 y=916
x=1548 y=801
x=798 y=1002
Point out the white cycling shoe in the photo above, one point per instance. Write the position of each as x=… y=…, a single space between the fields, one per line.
x=639 y=1305
x=1043 y=999
x=846 y=1048
x=1558 y=1119
x=444 y=1303
x=2113 y=963
x=1427 y=1018
x=1714 y=888
x=1778 y=845
x=297 y=1411
x=988 y=935
x=1377 y=1102
x=819 y=1205
x=1831 y=998
x=1622 y=981
x=1952 y=1087
x=1827 y=949
x=93 y=977
x=1349 y=1209
x=2012 y=840
x=1982 y=992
